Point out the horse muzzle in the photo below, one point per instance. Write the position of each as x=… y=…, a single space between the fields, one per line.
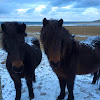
x=18 y=69
x=55 y=65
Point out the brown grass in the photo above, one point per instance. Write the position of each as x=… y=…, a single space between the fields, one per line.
x=78 y=30
x=82 y=30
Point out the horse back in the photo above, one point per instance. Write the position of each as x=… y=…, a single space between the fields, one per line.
x=33 y=55
x=88 y=59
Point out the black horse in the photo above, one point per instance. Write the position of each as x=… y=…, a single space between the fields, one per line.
x=22 y=58
x=67 y=56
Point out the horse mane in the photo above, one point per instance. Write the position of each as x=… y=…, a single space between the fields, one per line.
x=52 y=30
x=10 y=27
x=11 y=30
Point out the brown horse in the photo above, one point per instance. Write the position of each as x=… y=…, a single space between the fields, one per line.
x=67 y=56
x=92 y=41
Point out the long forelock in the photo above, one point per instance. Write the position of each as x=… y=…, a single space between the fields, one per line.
x=52 y=34
x=11 y=28
x=10 y=34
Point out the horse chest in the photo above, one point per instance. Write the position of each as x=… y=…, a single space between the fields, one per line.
x=60 y=73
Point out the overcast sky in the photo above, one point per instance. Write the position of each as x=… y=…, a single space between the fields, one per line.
x=36 y=10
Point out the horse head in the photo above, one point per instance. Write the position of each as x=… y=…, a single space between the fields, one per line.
x=14 y=43
x=55 y=41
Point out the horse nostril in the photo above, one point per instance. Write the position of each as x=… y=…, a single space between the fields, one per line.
x=19 y=69
x=55 y=64
x=52 y=63
x=58 y=63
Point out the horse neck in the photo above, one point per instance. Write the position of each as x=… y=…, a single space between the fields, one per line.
x=70 y=47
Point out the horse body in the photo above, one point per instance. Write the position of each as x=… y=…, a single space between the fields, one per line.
x=67 y=56
x=22 y=58
x=84 y=58
x=91 y=41
x=88 y=59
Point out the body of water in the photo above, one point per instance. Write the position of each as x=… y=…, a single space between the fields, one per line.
x=65 y=23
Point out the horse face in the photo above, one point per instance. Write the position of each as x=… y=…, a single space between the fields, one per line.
x=13 y=43
x=54 y=56
x=52 y=40
x=17 y=57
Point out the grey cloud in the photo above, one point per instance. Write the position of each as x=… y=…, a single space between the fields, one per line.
x=10 y=6
x=78 y=5
x=87 y=3
x=26 y=1
x=60 y=3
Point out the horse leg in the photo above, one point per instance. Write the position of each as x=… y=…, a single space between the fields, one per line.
x=18 y=89
x=70 y=85
x=17 y=83
x=62 y=87
x=16 y=79
x=94 y=78
x=30 y=88
x=34 y=79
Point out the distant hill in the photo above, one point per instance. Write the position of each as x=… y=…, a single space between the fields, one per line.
x=96 y=21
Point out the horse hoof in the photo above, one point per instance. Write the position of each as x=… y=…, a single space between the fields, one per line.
x=60 y=98
x=71 y=98
x=31 y=96
x=17 y=98
x=34 y=81
x=93 y=82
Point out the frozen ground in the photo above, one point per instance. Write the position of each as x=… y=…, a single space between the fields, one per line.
x=47 y=84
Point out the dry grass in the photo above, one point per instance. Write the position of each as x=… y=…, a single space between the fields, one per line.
x=80 y=38
x=81 y=30
x=78 y=30
x=33 y=29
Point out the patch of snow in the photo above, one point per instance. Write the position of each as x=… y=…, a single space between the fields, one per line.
x=29 y=40
x=34 y=33
x=91 y=40
x=47 y=83
x=83 y=36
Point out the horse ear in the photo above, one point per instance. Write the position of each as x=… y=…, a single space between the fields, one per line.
x=21 y=28
x=3 y=27
x=60 y=22
x=45 y=22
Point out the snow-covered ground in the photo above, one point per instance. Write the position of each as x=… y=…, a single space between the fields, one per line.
x=47 y=84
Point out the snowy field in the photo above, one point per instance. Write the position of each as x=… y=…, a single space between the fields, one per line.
x=47 y=84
